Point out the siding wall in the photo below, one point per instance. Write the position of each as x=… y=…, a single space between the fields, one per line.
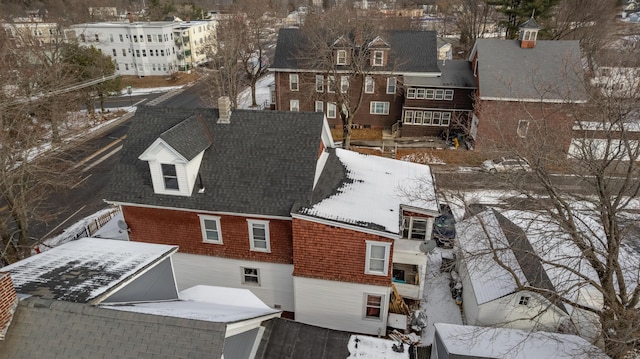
x=276 y=280
x=333 y=253
x=182 y=228
x=338 y=305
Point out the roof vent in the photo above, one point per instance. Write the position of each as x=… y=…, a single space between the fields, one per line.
x=224 y=109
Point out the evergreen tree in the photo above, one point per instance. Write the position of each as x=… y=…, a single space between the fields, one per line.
x=518 y=11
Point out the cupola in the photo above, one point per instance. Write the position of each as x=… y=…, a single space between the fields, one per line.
x=528 y=34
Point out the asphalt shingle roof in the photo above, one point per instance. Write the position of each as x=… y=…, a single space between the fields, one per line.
x=262 y=162
x=411 y=51
x=189 y=137
x=57 y=329
x=455 y=73
x=551 y=71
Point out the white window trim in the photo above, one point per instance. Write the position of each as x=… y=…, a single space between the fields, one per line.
x=369 y=80
x=319 y=83
x=203 y=229
x=344 y=84
x=375 y=58
x=319 y=106
x=391 y=81
x=333 y=106
x=250 y=223
x=294 y=84
x=387 y=252
x=523 y=128
x=294 y=105
x=382 y=306
x=331 y=84
x=344 y=62
x=372 y=107
x=411 y=92
x=243 y=277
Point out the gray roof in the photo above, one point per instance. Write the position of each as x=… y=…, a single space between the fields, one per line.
x=411 y=51
x=455 y=73
x=551 y=71
x=58 y=329
x=259 y=163
x=189 y=137
x=286 y=339
x=530 y=24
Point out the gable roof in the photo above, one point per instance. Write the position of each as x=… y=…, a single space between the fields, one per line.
x=369 y=191
x=411 y=51
x=58 y=329
x=455 y=73
x=81 y=271
x=189 y=137
x=259 y=163
x=549 y=72
x=464 y=341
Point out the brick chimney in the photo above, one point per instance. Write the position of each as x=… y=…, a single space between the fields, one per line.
x=224 y=109
x=8 y=303
x=130 y=16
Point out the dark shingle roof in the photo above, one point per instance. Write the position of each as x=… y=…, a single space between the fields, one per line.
x=189 y=137
x=259 y=163
x=411 y=51
x=455 y=73
x=286 y=339
x=57 y=329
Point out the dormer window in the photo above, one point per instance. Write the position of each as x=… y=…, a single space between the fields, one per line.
x=341 y=58
x=378 y=58
x=170 y=177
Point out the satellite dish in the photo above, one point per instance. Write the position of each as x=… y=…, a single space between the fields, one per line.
x=428 y=246
x=122 y=225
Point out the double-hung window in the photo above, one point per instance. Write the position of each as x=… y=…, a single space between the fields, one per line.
x=448 y=95
x=411 y=92
x=331 y=84
x=210 y=227
x=319 y=83
x=373 y=306
x=344 y=84
x=259 y=235
x=250 y=275
x=378 y=58
x=294 y=105
x=170 y=176
x=331 y=110
x=377 y=258
x=408 y=116
x=414 y=228
x=341 y=58
x=293 y=82
x=369 y=84
x=379 y=108
x=319 y=106
x=391 y=85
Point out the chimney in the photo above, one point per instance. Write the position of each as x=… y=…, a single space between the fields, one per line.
x=130 y=16
x=8 y=303
x=224 y=109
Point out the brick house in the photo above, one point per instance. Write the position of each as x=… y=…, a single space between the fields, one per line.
x=402 y=84
x=241 y=193
x=524 y=87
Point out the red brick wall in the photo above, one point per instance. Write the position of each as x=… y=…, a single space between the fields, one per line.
x=182 y=228
x=8 y=302
x=327 y=252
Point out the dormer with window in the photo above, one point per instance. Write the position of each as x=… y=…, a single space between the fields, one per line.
x=174 y=158
x=528 y=34
x=379 y=50
x=341 y=51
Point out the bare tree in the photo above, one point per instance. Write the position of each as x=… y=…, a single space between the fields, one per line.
x=475 y=20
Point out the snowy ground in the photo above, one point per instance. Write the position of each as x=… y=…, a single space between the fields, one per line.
x=263 y=95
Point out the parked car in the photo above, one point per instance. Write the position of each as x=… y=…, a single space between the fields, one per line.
x=444 y=227
x=506 y=165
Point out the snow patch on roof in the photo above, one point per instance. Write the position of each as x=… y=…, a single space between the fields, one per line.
x=361 y=346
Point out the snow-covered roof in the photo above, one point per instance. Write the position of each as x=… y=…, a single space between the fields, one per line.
x=361 y=346
x=81 y=270
x=207 y=303
x=490 y=281
x=372 y=191
x=478 y=342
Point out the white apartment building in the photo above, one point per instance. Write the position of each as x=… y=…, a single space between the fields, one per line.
x=154 y=48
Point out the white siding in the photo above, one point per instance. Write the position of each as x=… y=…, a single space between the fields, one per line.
x=191 y=171
x=506 y=312
x=338 y=305
x=469 y=302
x=276 y=280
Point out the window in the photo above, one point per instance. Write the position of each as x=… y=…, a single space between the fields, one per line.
x=446 y=119
x=448 y=95
x=418 y=117
x=377 y=258
x=124 y=52
x=97 y=38
x=110 y=36
x=126 y=66
x=157 y=53
x=408 y=116
x=331 y=110
x=294 y=105
x=439 y=95
x=148 y=38
x=369 y=84
x=391 y=85
x=344 y=84
x=436 y=118
x=293 y=82
x=523 y=128
x=144 y=53
x=420 y=93
x=378 y=57
x=137 y=53
x=170 y=176
x=210 y=227
x=162 y=52
x=114 y=52
x=411 y=93
x=319 y=106
x=331 y=85
x=250 y=275
x=379 y=108
x=153 y=67
x=150 y=52
x=259 y=236
x=341 y=59
x=159 y=37
x=319 y=83
x=135 y=38
x=414 y=228
x=373 y=306
x=524 y=300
